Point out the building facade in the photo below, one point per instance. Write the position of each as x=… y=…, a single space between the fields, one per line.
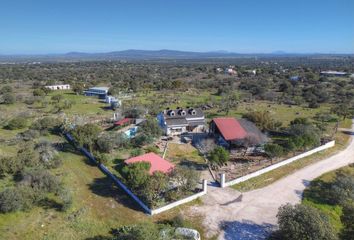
x=59 y=87
x=100 y=92
x=178 y=121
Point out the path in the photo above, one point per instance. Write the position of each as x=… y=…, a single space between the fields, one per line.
x=253 y=214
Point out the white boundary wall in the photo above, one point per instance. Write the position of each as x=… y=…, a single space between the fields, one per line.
x=131 y=194
x=182 y=201
x=274 y=166
x=146 y=208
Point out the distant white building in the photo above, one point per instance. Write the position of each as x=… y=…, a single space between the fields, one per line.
x=59 y=87
x=252 y=72
x=230 y=71
x=334 y=73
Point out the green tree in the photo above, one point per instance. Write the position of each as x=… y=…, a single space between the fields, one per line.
x=273 y=150
x=229 y=101
x=16 y=123
x=86 y=135
x=78 y=88
x=301 y=222
x=57 y=98
x=38 y=92
x=136 y=174
x=151 y=127
x=262 y=120
x=155 y=186
x=186 y=178
x=218 y=156
x=347 y=219
x=342 y=110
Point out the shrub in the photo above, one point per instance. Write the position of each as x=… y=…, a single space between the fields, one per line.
x=303 y=222
x=48 y=155
x=10 y=200
x=102 y=158
x=219 y=156
x=17 y=123
x=136 y=152
x=342 y=189
x=38 y=93
x=66 y=197
x=347 y=219
x=41 y=181
x=16 y=198
x=6 y=89
x=141 y=231
x=28 y=135
x=8 y=98
x=8 y=165
x=46 y=124
x=105 y=143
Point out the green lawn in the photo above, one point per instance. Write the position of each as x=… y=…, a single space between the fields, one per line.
x=183 y=152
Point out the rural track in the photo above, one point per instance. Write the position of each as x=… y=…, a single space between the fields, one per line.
x=252 y=215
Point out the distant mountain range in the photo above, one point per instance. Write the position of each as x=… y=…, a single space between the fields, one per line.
x=134 y=54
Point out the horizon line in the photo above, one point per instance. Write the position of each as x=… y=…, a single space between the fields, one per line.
x=276 y=52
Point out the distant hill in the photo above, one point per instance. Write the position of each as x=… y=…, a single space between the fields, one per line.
x=134 y=54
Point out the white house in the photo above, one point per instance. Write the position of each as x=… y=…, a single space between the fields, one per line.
x=59 y=87
x=175 y=122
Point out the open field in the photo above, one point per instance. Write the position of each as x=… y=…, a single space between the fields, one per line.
x=98 y=207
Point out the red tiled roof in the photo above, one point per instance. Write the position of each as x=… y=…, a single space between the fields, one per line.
x=157 y=163
x=230 y=128
x=122 y=121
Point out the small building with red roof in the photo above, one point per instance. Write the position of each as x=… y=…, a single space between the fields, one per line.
x=231 y=131
x=157 y=163
x=229 y=128
x=123 y=122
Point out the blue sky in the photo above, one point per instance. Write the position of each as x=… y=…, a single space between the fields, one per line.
x=246 y=26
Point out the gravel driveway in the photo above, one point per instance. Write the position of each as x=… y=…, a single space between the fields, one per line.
x=253 y=214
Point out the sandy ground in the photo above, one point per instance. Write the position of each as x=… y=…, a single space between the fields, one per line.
x=252 y=215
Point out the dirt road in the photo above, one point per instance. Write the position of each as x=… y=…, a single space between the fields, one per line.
x=253 y=214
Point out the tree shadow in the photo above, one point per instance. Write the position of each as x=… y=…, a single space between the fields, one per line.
x=67 y=147
x=105 y=187
x=246 y=230
x=50 y=204
x=99 y=237
x=351 y=133
x=318 y=191
x=106 y=108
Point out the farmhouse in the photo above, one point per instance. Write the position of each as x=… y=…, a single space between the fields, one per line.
x=157 y=163
x=231 y=132
x=59 y=87
x=175 y=122
x=100 y=92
